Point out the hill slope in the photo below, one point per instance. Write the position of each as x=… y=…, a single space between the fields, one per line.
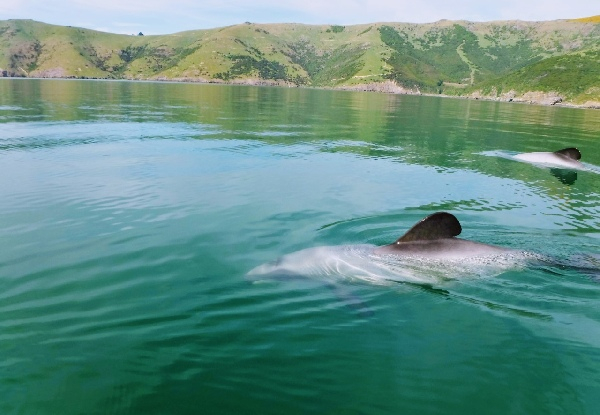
x=455 y=58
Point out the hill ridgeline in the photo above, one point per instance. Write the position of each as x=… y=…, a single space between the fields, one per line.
x=546 y=62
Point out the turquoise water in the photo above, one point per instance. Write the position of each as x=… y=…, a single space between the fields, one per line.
x=130 y=214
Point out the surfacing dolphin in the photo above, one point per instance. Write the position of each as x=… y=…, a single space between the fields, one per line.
x=567 y=158
x=429 y=252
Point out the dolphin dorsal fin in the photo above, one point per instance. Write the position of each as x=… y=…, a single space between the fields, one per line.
x=570 y=152
x=439 y=225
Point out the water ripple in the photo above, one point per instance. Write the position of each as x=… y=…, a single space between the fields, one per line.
x=131 y=214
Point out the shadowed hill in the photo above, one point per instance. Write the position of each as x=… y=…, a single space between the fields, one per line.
x=506 y=58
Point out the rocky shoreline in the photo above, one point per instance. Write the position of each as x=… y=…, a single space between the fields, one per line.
x=530 y=97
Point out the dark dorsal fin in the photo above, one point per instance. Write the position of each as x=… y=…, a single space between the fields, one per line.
x=436 y=226
x=570 y=152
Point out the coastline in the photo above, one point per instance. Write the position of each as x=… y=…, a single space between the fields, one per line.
x=385 y=87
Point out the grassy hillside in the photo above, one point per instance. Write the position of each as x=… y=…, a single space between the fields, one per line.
x=574 y=76
x=592 y=19
x=446 y=57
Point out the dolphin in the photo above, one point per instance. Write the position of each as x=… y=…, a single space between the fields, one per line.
x=427 y=253
x=567 y=158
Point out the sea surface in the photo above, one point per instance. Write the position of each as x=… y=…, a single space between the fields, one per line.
x=132 y=212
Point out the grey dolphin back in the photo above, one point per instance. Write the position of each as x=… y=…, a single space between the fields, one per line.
x=439 y=225
x=570 y=152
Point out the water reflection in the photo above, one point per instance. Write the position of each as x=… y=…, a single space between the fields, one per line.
x=130 y=213
x=564 y=176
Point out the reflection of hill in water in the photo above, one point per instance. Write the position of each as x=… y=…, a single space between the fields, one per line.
x=444 y=134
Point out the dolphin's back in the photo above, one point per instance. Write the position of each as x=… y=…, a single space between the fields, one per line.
x=570 y=152
x=428 y=252
x=445 y=248
x=435 y=237
x=567 y=157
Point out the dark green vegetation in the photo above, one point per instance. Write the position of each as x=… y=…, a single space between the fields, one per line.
x=578 y=72
x=505 y=59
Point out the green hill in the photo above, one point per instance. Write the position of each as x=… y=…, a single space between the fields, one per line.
x=492 y=59
x=574 y=77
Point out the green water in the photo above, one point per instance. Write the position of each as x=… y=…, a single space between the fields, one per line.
x=130 y=214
